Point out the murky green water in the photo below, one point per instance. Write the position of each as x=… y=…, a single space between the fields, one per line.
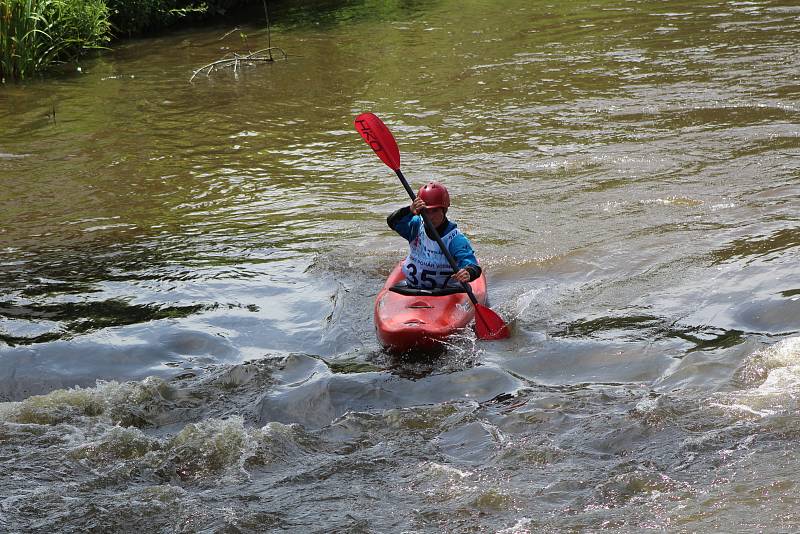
x=629 y=173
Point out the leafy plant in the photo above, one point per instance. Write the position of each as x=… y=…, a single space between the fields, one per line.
x=22 y=38
x=34 y=34
x=137 y=17
x=76 y=25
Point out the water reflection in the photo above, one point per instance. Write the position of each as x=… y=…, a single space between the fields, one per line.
x=759 y=247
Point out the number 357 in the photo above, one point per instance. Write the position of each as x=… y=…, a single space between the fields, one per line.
x=427 y=277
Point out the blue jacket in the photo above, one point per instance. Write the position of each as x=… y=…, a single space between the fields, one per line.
x=407 y=225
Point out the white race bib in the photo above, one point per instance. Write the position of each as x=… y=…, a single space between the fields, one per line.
x=426 y=266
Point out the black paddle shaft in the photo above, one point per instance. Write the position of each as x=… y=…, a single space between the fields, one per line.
x=431 y=230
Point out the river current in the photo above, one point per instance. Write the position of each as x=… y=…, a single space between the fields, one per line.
x=188 y=269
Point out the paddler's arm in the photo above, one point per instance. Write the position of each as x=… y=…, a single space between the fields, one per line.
x=401 y=222
x=468 y=268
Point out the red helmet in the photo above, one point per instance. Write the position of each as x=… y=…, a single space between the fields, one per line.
x=435 y=195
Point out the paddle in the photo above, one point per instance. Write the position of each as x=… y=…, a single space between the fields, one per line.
x=488 y=325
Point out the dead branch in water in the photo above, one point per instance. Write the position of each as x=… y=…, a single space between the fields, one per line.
x=243 y=59
x=259 y=56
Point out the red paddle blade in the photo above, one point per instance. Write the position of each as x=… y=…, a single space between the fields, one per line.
x=488 y=325
x=379 y=138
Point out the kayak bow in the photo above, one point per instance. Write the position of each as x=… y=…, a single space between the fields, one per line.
x=420 y=319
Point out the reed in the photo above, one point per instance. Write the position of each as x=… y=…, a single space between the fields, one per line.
x=21 y=38
x=35 y=34
x=75 y=26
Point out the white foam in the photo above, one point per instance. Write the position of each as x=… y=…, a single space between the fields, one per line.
x=772 y=382
x=522 y=526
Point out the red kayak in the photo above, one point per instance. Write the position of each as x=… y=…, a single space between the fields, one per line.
x=420 y=319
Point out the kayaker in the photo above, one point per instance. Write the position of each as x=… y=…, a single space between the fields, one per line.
x=426 y=266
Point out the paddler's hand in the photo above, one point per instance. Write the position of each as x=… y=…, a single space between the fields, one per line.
x=417 y=206
x=462 y=275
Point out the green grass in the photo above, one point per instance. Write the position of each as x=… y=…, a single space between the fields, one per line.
x=77 y=25
x=35 y=34
x=22 y=39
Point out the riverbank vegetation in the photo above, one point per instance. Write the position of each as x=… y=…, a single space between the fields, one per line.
x=35 y=35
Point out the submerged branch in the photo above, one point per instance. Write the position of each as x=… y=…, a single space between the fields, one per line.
x=259 y=56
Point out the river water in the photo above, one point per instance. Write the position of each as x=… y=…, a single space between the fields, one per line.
x=187 y=274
